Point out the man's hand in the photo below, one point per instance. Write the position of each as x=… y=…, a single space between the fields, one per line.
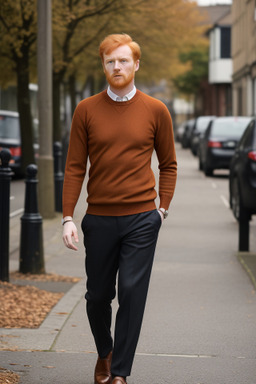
x=161 y=215
x=69 y=232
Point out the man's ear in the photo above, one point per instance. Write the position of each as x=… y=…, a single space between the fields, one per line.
x=137 y=65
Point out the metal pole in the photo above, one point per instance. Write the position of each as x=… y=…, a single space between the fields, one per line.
x=5 y=179
x=31 y=238
x=58 y=175
x=44 y=63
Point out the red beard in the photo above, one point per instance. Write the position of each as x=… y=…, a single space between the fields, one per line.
x=119 y=81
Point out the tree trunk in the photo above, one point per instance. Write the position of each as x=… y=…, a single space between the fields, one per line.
x=90 y=84
x=24 y=109
x=72 y=92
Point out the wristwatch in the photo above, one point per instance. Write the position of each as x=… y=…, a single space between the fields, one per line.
x=164 y=212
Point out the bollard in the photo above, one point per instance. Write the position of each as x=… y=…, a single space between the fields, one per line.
x=5 y=179
x=58 y=175
x=244 y=234
x=31 y=237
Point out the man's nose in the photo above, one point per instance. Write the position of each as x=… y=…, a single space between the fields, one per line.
x=116 y=65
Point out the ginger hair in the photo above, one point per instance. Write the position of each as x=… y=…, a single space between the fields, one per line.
x=112 y=42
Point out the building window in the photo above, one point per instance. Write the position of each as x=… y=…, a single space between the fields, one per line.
x=255 y=10
x=225 y=49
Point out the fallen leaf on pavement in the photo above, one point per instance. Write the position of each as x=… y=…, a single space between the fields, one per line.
x=24 y=306
x=8 y=377
x=43 y=277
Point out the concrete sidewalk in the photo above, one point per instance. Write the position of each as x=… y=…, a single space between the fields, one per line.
x=200 y=321
x=58 y=260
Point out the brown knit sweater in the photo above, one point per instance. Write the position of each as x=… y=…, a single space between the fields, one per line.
x=119 y=138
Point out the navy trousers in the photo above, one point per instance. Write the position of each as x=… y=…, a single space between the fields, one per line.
x=122 y=246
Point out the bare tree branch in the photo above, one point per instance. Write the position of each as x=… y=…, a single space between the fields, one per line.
x=88 y=42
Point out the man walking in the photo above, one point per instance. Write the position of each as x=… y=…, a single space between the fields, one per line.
x=118 y=129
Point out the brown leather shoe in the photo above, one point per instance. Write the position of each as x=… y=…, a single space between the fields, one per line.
x=102 y=374
x=119 y=380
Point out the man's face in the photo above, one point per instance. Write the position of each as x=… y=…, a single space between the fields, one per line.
x=120 y=67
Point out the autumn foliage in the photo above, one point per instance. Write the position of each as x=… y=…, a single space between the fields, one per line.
x=165 y=29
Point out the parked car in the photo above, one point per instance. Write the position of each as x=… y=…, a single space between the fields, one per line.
x=10 y=137
x=242 y=177
x=186 y=138
x=199 y=128
x=219 y=141
x=179 y=132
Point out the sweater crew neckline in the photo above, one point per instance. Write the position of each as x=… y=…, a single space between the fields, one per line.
x=123 y=103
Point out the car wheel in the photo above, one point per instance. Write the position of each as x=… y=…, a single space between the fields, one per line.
x=201 y=165
x=208 y=171
x=238 y=209
x=194 y=151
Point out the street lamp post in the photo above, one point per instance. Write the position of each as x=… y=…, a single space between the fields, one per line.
x=44 y=64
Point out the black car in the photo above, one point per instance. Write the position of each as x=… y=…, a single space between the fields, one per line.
x=219 y=141
x=199 y=128
x=242 y=178
x=179 y=132
x=10 y=137
x=186 y=138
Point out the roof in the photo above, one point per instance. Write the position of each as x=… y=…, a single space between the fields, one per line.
x=225 y=20
x=213 y=14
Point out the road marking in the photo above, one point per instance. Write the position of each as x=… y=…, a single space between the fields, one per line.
x=16 y=213
x=214 y=185
x=176 y=355
x=224 y=200
x=194 y=356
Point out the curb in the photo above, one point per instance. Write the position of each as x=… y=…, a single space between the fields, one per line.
x=44 y=337
x=248 y=261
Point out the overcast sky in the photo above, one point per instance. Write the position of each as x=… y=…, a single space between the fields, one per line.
x=213 y=2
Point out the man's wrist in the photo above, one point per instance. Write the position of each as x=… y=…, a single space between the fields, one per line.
x=66 y=219
x=164 y=212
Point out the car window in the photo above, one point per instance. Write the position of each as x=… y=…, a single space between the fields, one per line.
x=221 y=127
x=246 y=139
x=254 y=135
x=9 y=127
x=209 y=125
x=202 y=123
x=207 y=132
